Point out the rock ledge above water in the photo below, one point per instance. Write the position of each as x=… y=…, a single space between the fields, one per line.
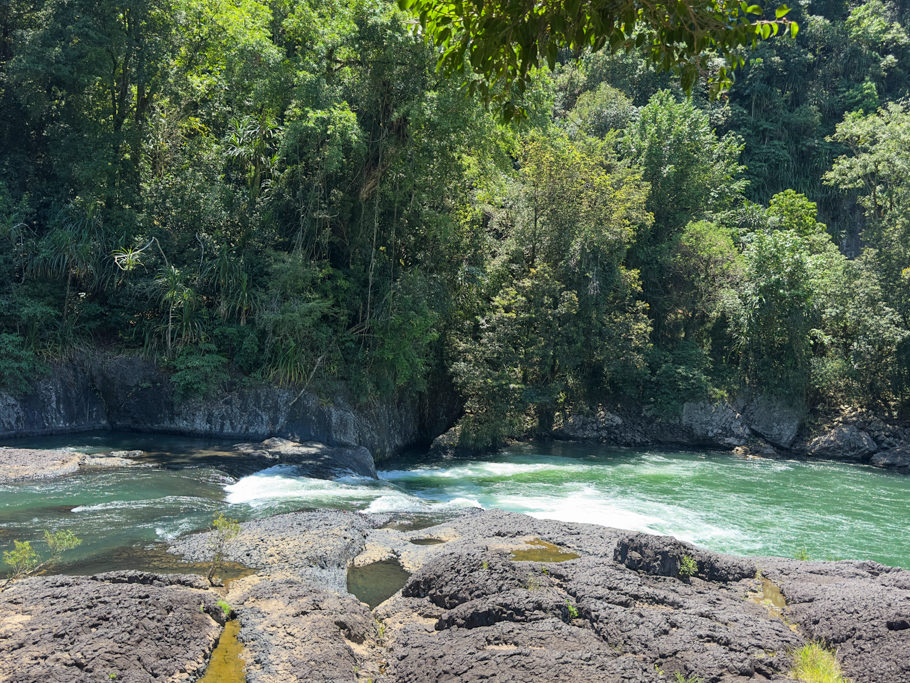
x=617 y=612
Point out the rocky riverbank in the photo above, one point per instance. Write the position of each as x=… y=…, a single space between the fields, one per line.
x=106 y=391
x=750 y=425
x=490 y=596
x=319 y=460
x=500 y=596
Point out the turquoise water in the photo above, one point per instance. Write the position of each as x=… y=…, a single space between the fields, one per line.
x=722 y=502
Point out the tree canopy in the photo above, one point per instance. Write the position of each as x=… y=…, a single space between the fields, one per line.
x=495 y=44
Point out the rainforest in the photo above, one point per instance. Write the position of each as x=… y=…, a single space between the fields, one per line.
x=290 y=192
x=351 y=340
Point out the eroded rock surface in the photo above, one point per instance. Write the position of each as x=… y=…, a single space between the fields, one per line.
x=618 y=612
x=294 y=630
x=124 y=626
x=860 y=608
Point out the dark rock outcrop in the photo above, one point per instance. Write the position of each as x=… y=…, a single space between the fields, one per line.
x=663 y=556
x=65 y=400
x=126 y=626
x=751 y=425
x=699 y=424
x=896 y=458
x=618 y=612
x=844 y=442
x=101 y=391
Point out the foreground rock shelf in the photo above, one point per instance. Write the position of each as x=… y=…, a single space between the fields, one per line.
x=124 y=626
x=601 y=605
x=617 y=612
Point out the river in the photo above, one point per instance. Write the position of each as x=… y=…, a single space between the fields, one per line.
x=745 y=506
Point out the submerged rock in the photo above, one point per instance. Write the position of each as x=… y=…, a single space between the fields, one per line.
x=125 y=626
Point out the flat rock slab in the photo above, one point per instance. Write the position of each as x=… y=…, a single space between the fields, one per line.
x=317 y=546
x=862 y=609
x=124 y=626
x=32 y=463
x=295 y=631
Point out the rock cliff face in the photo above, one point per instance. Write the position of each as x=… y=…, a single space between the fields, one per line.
x=119 y=392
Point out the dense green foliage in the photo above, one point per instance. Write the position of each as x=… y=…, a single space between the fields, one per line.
x=291 y=192
x=497 y=44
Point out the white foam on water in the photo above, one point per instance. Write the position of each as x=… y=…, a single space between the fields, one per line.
x=164 y=501
x=400 y=502
x=505 y=485
x=481 y=470
x=586 y=505
x=281 y=483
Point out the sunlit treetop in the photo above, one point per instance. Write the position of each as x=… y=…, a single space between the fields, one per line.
x=495 y=44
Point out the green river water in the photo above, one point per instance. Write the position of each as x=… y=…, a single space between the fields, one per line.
x=726 y=503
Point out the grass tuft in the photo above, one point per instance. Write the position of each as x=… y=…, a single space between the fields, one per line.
x=814 y=663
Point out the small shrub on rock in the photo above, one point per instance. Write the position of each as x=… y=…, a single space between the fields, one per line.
x=688 y=567
x=224 y=530
x=25 y=561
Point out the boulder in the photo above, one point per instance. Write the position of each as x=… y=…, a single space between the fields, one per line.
x=318 y=458
x=448 y=445
x=844 y=442
x=897 y=458
x=774 y=419
x=714 y=424
x=663 y=555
